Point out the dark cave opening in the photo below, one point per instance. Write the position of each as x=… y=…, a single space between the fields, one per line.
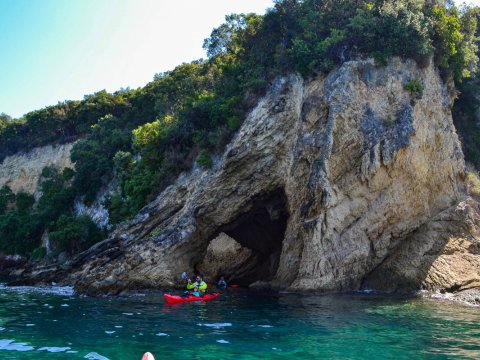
x=260 y=232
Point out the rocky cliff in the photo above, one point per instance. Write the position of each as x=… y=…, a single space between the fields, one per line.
x=22 y=171
x=338 y=183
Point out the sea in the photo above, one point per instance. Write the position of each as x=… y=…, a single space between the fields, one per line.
x=54 y=323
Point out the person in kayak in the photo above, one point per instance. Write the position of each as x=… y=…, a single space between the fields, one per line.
x=196 y=292
x=200 y=284
x=222 y=284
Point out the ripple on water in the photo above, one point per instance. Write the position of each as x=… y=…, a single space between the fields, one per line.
x=11 y=345
x=50 y=290
x=95 y=356
x=54 y=349
x=216 y=325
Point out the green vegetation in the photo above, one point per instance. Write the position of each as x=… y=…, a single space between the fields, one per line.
x=204 y=159
x=415 y=86
x=473 y=184
x=143 y=138
x=466 y=108
x=22 y=224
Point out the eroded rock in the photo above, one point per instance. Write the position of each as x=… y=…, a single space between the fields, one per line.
x=350 y=175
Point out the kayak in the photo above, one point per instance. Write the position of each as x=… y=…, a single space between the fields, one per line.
x=172 y=299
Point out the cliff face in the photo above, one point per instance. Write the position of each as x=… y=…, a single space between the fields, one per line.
x=334 y=184
x=22 y=171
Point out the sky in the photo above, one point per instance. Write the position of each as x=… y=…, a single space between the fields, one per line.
x=56 y=50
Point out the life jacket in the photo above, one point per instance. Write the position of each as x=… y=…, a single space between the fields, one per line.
x=202 y=286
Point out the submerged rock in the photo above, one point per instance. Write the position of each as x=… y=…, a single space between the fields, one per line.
x=337 y=183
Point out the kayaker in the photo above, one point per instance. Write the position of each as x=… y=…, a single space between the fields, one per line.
x=196 y=292
x=222 y=284
x=202 y=285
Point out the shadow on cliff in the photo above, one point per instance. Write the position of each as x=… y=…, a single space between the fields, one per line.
x=258 y=235
x=441 y=255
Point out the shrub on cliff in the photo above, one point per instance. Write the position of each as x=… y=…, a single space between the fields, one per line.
x=22 y=224
x=74 y=234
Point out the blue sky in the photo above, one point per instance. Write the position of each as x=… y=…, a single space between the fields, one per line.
x=54 y=50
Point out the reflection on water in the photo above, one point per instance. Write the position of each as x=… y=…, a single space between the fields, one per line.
x=51 y=323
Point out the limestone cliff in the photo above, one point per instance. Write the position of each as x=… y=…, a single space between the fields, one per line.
x=331 y=184
x=22 y=171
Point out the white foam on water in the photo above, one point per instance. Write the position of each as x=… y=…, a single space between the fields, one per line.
x=216 y=325
x=53 y=290
x=65 y=305
x=1 y=328
x=118 y=326
x=265 y=326
x=109 y=332
x=11 y=345
x=54 y=349
x=365 y=291
x=71 y=352
x=29 y=324
x=95 y=356
x=128 y=314
x=221 y=341
x=162 y=334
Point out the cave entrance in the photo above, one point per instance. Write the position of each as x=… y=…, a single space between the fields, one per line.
x=248 y=249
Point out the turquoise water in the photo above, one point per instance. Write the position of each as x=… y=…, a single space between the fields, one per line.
x=53 y=324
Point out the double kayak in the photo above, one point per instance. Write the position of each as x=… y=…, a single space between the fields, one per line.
x=174 y=299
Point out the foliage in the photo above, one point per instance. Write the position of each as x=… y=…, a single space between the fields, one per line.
x=93 y=156
x=57 y=198
x=74 y=234
x=473 y=184
x=466 y=110
x=6 y=197
x=39 y=253
x=22 y=224
x=204 y=159
x=415 y=86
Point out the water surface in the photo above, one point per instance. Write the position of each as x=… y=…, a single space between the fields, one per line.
x=54 y=324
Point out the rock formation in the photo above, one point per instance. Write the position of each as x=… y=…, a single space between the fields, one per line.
x=336 y=183
x=22 y=171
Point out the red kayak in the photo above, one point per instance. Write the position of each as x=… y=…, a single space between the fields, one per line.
x=173 y=299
